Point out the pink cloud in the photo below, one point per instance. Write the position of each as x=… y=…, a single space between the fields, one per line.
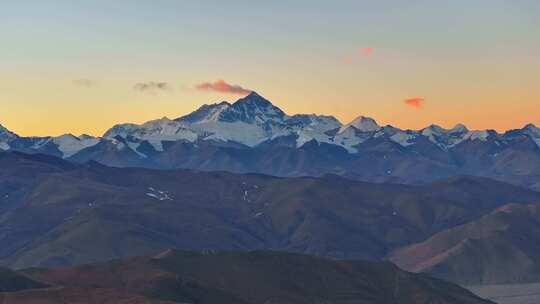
x=367 y=51
x=363 y=52
x=415 y=102
x=221 y=86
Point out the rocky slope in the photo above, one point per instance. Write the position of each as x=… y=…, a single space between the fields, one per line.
x=501 y=247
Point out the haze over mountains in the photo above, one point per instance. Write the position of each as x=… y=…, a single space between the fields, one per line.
x=252 y=135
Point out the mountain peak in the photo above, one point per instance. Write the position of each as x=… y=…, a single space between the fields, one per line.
x=532 y=128
x=252 y=109
x=459 y=128
x=436 y=129
x=362 y=123
x=254 y=98
x=3 y=129
x=254 y=94
x=6 y=134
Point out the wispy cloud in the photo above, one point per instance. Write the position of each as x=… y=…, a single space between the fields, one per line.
x=221 y=86
x=85 y=83
x=362 y=52
x=151 y=87
x=415 y=102
x=367 y=51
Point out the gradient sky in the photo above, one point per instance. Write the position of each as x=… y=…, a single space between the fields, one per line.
x=72 y=66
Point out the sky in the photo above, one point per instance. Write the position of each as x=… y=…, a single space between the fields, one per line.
x=83 y=66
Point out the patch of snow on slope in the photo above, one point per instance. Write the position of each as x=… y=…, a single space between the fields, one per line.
x=70 y=145
x=309 y=127
x=159 y=195
x=244 y=133
x=475 y=135
x=403 y=138
x=134 y=146
x=351 y=137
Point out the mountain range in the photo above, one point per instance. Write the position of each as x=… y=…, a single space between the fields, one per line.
x=252 y=135
x=55 y=213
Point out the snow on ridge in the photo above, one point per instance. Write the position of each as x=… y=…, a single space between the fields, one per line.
x=312 y=127
x=69 y=144
x=445 y=138
x=533 y=132
x=206 y=113
x=403 y=138
x=475 y=135
x=154 y=131
x=362 y=123
x=6 y=136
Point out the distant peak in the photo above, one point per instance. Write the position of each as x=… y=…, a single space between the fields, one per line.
x=254 y=94
x=86 y=136
x=363 y=123
x=67 y=136
x=6 y=134
x=532 y=128
x=254 y=98
x=459 y=128
x=223 y=104
x=2 y=128
x=436 y=128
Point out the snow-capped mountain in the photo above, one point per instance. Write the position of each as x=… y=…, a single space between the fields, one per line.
x=254 y=135
x=249 y=121
x=362 y=124
x=534 y=132
x=252 y=109
x=445 y=138
x=68 y=144
x=154 y=132
x=62 y=146
x=253 y=120
x=6 y=136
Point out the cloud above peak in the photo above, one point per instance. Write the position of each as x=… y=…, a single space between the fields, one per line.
x=415 y=102
x=151 y=87
x=220 y=86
